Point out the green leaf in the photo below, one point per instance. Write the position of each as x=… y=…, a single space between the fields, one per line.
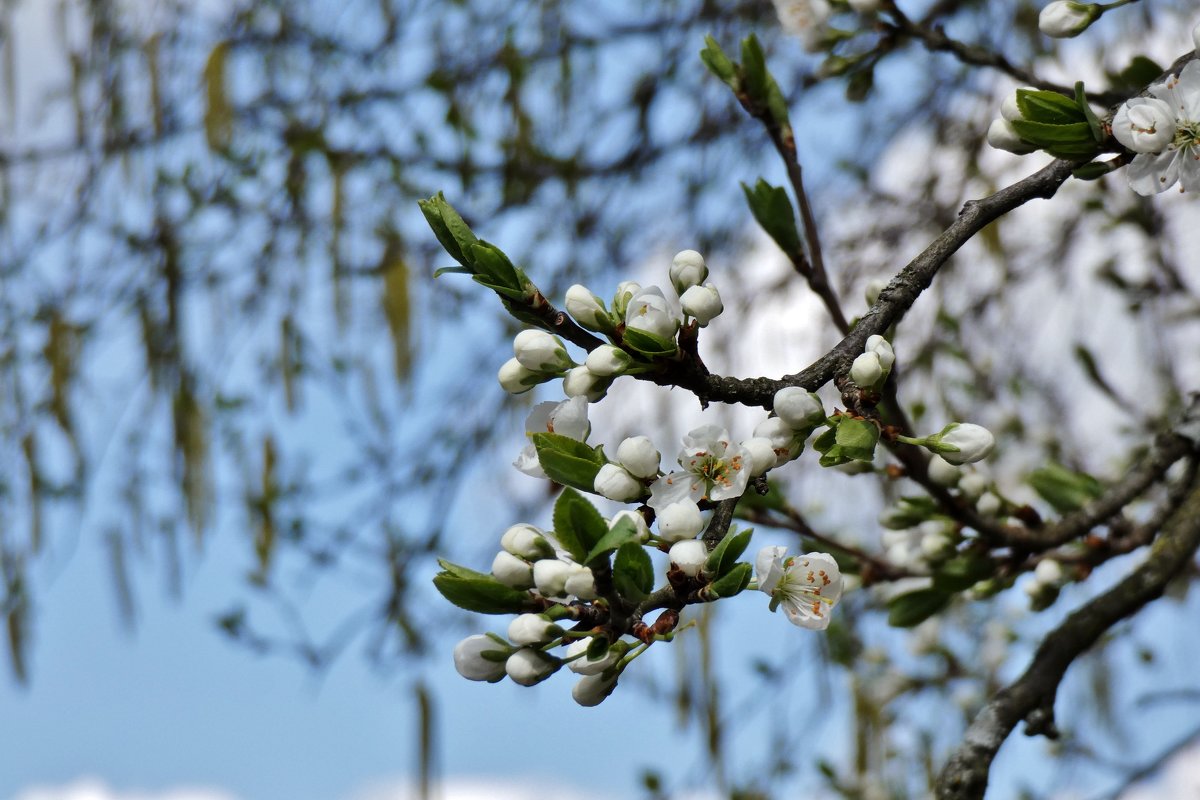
x=962 y=572
x=624 y=531
x=1050 y=108
x=647 y=344
x=1139 y=73
x=754 y=70
x=857 y=438
x=451 y=231
x=1047 y=135
x=723 y=556
x=718 y=63
x=732 y=582
x=475 y=591
x=440 y=271
x=1092 y=120
x=913 y=608
x=567 y=461
x=1064 y=489
x=1096 y=169
x=578 y=526
x=860 y=84
x=773 y=210
x=633 y=572
x=910 y=512
x=491 y=263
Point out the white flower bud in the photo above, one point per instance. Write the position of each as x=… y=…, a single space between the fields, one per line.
x=687 y=270
x=526 y=541
x=532 y=629
x=1063 y=19
x=867 y=370
x=883 y=348
x=762 y=455
x=582 y=665
x=703 y=303
x=587 y=309
x=591 y=690
x=550 y=576
x=512 y=571
x=538 y=351
x=1144 y=124
x=972 y=486
x=626 y=290
x=1003 y=136
x=1009 y=109
x=784 y=440
x=988 y=505
x=1049 y=572
x=680 y=521
x=582 y=382
x=689 y=556
x=515 y=378
x=528 y=666
x=874 y=288
x=471 y=661
x=581 y=583
x=799 y=408
x=639 y=457
x=937 y=546
x=639 y=523
x=648 y=311
x=962 y=443
x=943 y=473
x=608 y=360
x=613 y=482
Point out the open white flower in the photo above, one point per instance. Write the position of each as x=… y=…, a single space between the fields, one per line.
x=807 y=586
x=714 y=468
x=651 y=312
x=568 y=418
x=1150 y=173
x=1144 y=124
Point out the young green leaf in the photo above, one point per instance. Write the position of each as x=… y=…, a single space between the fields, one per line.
x=723 y=556
x=567 y=461
x=578 y=526
x=914 y=608
x=633 y=572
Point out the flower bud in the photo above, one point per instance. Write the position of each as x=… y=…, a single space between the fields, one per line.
x=687 y=270
x=703 y=303
x=639 y=523
x=581 y=583
x=538 y=351
x=680 y=521
x=481 y=658
x=1003 y=136
x=587 y=309
x=1144 y=124
x=613 y=482
x=550 y=576
x=582 y=382
x=799 y=408
x=528 y=666
x=783 y=438
x=532 y=629
x=512 y=571
x=972 y=486
x=867 y=370
x=591 y=690
x=582 y=665
x=1063 y=19
x=526 y=541
x=883 y=348
x=689 y=556
x=608 y=360
x=626 y=290
x=762 y=455
x=943 y=473
x=515 y=378
x=1049 y=572
x=962 y=443
x=988 y=505
x=937 y=546
x=639 y=457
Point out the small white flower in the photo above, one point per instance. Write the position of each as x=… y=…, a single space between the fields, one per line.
x=972 y=486
x=582 y=382
x=481 y=658
x=1144 y=124
x=615 y=483
x=1150 y=173
x=580 y=664
x=1049 y=572
x=689 y=556
x=782 y=437
x=1063 y=19
x=580 y=583
x=526 y=541
x=687 y=270
x=714 y=468
x=540 y=352
x=943 y=473
x=703 y=303
x=679 y=521
x=962 y=443
x=650 y=312
x=1003 y=136
x=639 y=523
x=528 y=629
x=528 y=666
x=550 y=576
x=516 y=378
x=591 y=690
x=568 y=418
x=608 y=360
x=883 y=349
x=799 y=408
x=587 y=309
x=867 y=370
x=805 y=19
x=807 y=586
x=762 y=455
x=512 y=570
x=639 y=457
x=988 y=505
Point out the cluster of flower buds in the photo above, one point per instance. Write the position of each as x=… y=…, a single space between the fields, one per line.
x=870 y=369
x=780 y=438
x=970 y=486
x=537 y=357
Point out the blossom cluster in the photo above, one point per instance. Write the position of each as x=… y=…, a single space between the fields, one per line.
x=1163 y=129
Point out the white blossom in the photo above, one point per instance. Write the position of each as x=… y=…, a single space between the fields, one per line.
x=703 y=303
x=639 y=523
x=1144 y=124
x=714 y=468
x=527 y=629
x=679 y=521
x=512 y=570
x=568 y=418
x=805 y=19
x=615 y=483
x=540 y=352
x=580 y=583
x=608 y=360
x=784 y=440
x=528 y=666
x=762 y=454
x=882 y=348
x=471 y=658
x=650 y=311
x=591 y=690
x=587 y=309
x=807 y=586
x=1063 y=19
x=516 y=378
x=580 y=664
x=798 y=407
x=1150 y=173
x=689 y=556
x=867 y=370
x=687 y=270
x=550 y=576
x=526 y=541
x=582 y=382
x=639 y=457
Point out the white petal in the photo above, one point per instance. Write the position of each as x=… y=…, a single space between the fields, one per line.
x=569 y=418
x=768 y=566
x=528 y=463
x=674 y=487
x=1188 y=91
x=1151 y=173
x=538 y=420
x=1189 y=168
